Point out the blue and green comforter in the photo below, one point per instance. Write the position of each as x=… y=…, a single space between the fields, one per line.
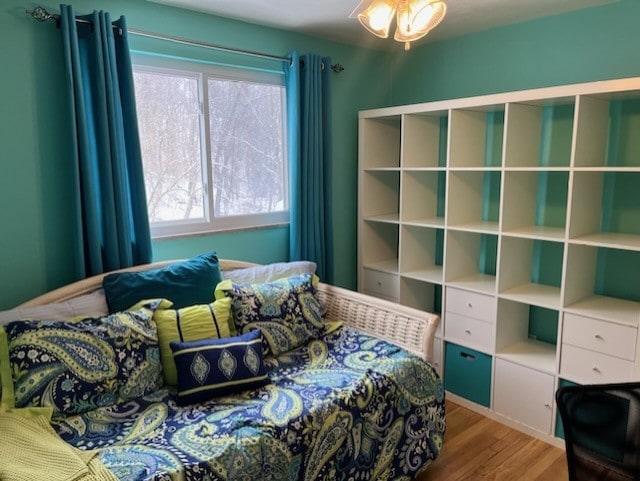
x=347 y=406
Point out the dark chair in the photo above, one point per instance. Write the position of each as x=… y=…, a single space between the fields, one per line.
x=602 y=430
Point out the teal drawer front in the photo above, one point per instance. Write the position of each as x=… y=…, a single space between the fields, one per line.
x=467 y=373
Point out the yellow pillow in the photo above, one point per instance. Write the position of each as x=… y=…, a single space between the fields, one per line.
x=193 y=323
x=6 y=380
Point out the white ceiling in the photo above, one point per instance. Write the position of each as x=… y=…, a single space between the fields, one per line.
x=330 y=18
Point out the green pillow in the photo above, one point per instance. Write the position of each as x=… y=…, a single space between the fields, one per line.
x=184 y=284
x=194 y=323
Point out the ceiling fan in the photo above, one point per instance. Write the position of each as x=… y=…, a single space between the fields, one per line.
x=414 y=18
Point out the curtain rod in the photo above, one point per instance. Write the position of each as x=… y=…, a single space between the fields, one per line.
x=42 y=15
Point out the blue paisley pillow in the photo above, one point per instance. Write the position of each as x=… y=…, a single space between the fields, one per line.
x=286 y=311
x=215 y=367
x=79 y=365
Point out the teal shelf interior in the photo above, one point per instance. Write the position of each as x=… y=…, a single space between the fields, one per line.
x=442 y=141
x=494 y=136
x=556 y=135
x=491 y=196
x=543 y=324
x=551 y=199
x=618 y=274
x=621 y=202
x=623 y=147
x=488 y=254
x=441 y=195
x=546 y=266
x=439 y=246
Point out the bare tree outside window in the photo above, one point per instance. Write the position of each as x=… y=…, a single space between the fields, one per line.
x=169 y=122
x=246 y=147
x=196 y=128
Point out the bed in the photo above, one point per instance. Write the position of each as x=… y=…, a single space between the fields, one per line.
x=360 y=402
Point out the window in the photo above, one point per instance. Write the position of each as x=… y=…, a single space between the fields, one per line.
x=213 y=146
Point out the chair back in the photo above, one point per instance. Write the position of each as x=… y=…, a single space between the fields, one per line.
x=602 y=430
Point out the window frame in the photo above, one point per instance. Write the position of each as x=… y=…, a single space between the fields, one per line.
x=204 y=71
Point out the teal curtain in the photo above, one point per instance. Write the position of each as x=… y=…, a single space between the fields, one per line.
x=309 y=119
x=110 y=202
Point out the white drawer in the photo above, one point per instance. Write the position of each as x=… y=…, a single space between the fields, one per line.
x=381 y=284
x=524 y=395
x=469 y=332
x=588 y=367
x=471 y=304
x=601 y=336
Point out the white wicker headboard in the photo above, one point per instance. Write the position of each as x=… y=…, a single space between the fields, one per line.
x=410 y=328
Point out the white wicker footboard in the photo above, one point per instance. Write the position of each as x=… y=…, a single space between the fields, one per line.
x=409 y=328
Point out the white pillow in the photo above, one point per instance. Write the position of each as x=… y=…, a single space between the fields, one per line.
x=90 y=305
x=269 y=272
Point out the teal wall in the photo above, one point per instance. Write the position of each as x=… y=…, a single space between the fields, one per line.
x=35 y=200
x=592 y=44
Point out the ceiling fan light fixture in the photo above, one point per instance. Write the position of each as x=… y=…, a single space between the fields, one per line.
x=416 y=18
x=376 y=16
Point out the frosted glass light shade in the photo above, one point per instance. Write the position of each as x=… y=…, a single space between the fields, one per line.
x=415 y=18
x=376 y=16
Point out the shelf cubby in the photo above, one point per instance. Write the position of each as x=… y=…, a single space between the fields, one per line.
x=380 y=143
x=476 y=137
x=607 y=132
x=531 y=271
x=424 y=140
x=539 y=134
x=422 y=295
x=380 y=246
x=380 y=196
x=430 y=188
x=605 y=209
x=535 y=204
x=603 y=283
x=474 y=200
x=422 y=250
x=471 y=261
x=527 y=334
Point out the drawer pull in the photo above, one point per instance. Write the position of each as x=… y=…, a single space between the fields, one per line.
x=466 y=355
x=599 y=337
x=469 y=305
x=467 y=331
x=595 y=369
x=547 y=405
x=379 y=283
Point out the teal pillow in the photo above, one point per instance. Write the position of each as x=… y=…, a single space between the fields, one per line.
x=286 y=311
x=184 y=284
x=216 y=367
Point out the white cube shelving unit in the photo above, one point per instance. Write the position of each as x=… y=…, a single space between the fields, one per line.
x=516 y=217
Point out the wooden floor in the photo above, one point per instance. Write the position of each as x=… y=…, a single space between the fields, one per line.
x=478 y=448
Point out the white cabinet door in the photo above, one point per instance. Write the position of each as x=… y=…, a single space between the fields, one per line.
x=524 y=395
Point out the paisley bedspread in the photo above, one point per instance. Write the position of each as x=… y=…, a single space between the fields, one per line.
x=347 y=406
